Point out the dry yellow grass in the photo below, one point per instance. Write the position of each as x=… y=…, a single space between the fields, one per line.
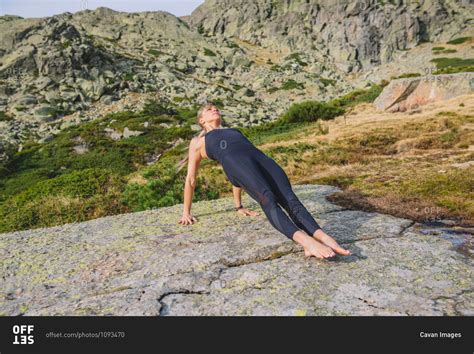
x=416 y=164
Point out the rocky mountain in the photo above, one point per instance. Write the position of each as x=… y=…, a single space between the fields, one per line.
x=255 y=58
x=353 y=35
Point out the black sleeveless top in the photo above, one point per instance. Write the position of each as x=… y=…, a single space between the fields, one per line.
x=231 y=148
x=221 y=143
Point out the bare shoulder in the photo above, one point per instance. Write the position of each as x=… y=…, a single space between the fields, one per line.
x=196 y=142
x=196 y=145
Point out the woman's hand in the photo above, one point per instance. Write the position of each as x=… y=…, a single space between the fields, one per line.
x=187 y=219
x=245 y=211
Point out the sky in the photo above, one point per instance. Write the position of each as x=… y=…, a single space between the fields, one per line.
x=43 y=8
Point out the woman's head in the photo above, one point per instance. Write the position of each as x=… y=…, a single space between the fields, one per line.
x=209 y=116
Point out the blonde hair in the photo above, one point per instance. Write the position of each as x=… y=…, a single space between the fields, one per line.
x=208 y=104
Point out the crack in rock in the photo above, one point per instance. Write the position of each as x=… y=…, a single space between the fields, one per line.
x=164 y=308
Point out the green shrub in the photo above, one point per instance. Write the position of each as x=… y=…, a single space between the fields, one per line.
x=249 y=93
x=128 y=77
x=446 y=51
x=454 y=70
x=155 y=52
x=292 y=85
x=296 y=57
x=276 y=68
x=233 y=45
x=406 y=75
x=4 y=117
x=200 y=29
x=442 y=63
x=166 y=187
x=273 y=89
x=209 y=53
x=73 y=197
x=237 y=87
x=327 y=82
x=311 y=111
x=459 y=40
x=358 y=96
x=156 y=108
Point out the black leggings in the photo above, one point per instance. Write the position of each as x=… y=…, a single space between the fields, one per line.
x=267 y=183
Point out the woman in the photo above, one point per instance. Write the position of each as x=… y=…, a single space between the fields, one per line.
x=261 y=177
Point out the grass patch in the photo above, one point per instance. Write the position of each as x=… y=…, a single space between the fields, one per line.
x=5 y=117
x=405 y=76
x=442 y=63
x=209 y=53
x=155 y=52
x=445 y=51
x=292 y=85
x=77 y=196
x=459 y=40
x=454 y=70
x=296 y=57
x=26 y=175
x=276 y=68
x=327 y=82
x=311 y=111
x=358 y=96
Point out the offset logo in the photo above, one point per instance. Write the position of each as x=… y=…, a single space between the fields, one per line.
x=23 y=334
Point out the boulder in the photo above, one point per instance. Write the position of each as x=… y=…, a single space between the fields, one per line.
x=127 y=133
x=409 y=93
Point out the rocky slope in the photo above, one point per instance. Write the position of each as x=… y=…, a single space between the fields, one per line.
x=255 y=58
x=147 y=264
x=56 y=66
x=354 y=35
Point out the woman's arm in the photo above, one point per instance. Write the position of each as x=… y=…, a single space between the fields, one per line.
x=238 y=202
x=194 y=161
x=237 y=196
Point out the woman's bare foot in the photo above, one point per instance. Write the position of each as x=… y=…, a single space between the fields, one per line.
x=313 y=247
x=321 y=236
